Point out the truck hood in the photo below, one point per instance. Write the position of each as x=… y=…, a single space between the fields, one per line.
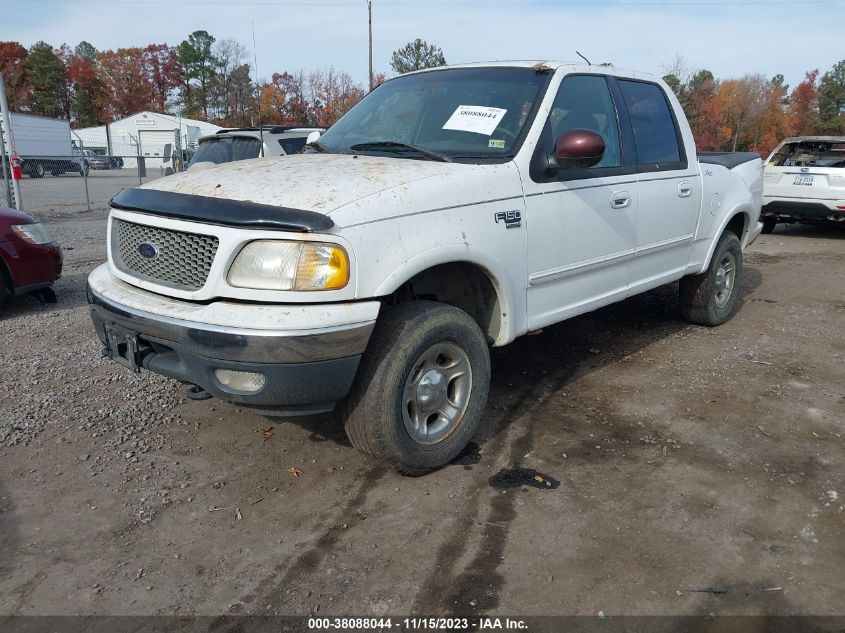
x=312 y=182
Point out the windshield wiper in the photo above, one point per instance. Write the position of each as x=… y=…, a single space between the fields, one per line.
x=397 y=146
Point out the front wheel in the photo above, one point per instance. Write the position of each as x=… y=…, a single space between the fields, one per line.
x=710 y=298
x=421 y=388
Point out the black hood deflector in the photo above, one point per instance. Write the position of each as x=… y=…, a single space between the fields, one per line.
x=220 y=211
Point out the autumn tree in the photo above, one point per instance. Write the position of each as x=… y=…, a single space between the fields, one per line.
x=831 y=100
x=159 y=66
x=773 y=125
x=13 y=68
x=416 y=55
x=702 y=109
x=46 y=80
x=333 y=93
x=283 y=100
x=740 y=101
x=124 y=82
x=86 y=90
x=803 y=105
x=198 y=68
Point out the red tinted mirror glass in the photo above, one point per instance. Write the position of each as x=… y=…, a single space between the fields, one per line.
x=580 y=145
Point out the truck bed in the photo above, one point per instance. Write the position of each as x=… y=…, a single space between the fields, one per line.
x=727 y=159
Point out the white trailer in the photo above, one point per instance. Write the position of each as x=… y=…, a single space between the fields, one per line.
x=43 y=144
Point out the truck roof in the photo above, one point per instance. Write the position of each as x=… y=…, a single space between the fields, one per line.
x=546 y=64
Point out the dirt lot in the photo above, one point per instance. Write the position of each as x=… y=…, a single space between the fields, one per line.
x=680 y=458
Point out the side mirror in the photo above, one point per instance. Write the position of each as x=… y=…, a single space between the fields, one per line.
x=313 y=136
x=577 y=149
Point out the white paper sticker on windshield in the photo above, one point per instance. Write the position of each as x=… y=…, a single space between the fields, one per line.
x=478 y=119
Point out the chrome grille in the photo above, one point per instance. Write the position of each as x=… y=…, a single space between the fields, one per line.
x=179 y=260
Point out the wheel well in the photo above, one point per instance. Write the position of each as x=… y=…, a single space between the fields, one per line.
x=7 y=277
x=738 y=225
x=459 y=284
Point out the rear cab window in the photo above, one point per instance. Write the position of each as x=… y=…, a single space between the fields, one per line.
x=810 y=154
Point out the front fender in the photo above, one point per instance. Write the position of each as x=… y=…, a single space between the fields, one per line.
x=499 y=276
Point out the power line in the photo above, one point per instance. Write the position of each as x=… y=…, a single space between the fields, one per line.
x=448 y=4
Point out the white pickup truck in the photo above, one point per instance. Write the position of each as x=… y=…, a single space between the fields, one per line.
x=449 y=211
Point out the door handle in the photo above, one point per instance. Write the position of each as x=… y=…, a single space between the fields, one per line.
x=684 y=190
x=619 y=199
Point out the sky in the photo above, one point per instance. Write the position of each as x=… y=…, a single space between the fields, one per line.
x=730 y=38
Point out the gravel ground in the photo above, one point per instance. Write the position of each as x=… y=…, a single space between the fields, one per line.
x=677 y=458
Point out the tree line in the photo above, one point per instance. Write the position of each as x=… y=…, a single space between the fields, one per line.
x=753 y=113
x=210 y=79
x=202 y=78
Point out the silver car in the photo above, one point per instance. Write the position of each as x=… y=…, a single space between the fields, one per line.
x=253 y=142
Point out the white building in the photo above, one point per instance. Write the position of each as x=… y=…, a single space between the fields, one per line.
x=143 y=134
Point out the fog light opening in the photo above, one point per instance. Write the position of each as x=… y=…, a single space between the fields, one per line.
x=241 y=380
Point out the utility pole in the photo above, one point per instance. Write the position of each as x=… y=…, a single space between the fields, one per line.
x=8 y=144
x=370 y=15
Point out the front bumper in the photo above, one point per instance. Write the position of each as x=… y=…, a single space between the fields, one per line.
x=32 y=266
x=308 y=354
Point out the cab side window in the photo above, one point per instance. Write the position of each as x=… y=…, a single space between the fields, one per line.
x=584 y=102
x=655 y=135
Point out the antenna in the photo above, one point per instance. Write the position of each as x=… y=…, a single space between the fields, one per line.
x=584 y=58
x=257 y=88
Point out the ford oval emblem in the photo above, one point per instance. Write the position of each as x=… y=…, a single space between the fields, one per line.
x=148 y=250
x=805 y=169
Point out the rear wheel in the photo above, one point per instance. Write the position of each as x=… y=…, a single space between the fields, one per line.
x=769 y=225
x=39 y=171
x=421 y=388
x=710 y=298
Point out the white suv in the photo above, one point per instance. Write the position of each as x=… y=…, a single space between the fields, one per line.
x=239 y=144
x=805 y=182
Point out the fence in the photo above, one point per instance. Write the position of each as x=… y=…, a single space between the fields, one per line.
x=57 y=184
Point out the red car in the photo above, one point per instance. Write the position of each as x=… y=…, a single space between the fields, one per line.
x=30 y=259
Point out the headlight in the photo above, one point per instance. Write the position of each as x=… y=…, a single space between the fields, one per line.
x=32 y=233
x=280 y=265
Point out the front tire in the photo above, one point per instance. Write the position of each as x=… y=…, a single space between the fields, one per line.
x=710 y=298
x=421 y=388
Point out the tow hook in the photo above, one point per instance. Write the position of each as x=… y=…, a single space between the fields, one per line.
x=195 y=392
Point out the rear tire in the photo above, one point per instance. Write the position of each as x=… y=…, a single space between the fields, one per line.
x=38 y=172
x=710 y=298
x=769 y=225
x=421 y=388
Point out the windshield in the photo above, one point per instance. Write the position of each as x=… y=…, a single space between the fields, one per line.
x=810 y=154
x=226 y=149
x=457 y=113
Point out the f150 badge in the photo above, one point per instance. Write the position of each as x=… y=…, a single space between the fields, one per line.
x=512 y=219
